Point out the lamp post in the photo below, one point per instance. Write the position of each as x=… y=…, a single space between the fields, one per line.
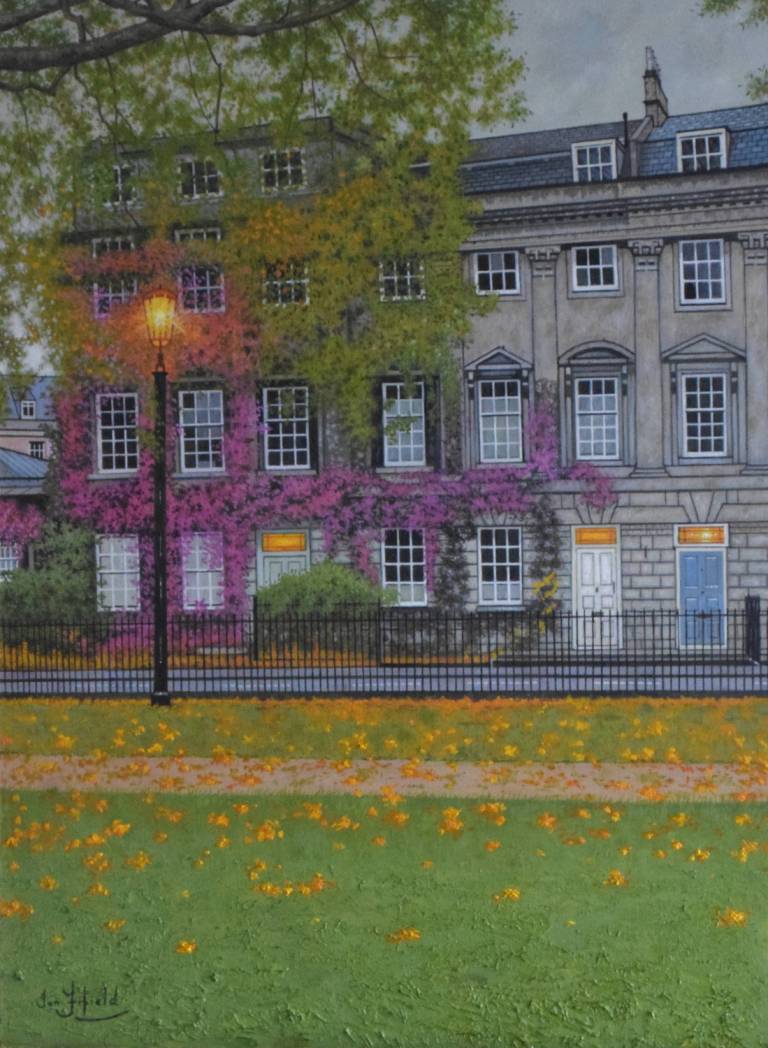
x=159 y=310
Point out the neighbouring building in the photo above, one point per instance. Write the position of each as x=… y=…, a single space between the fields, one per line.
x=630 y=264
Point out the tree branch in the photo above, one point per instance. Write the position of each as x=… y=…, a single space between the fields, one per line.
x=194 y=16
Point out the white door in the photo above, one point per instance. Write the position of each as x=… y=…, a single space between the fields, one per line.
x=281 y=553
x=597 y=597
x=276 y=565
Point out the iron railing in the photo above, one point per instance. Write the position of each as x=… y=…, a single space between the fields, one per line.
x=396 y=651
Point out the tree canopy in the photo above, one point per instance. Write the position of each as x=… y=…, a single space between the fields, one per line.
x=126 y=72
x=755 y=11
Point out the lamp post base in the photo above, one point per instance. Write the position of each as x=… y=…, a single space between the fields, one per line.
x=161 y=698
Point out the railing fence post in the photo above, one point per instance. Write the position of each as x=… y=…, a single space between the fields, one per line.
x=752 y=631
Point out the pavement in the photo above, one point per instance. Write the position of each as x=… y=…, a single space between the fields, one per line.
x=641 y=781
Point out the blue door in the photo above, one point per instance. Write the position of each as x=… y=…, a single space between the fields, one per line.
x=702 y=597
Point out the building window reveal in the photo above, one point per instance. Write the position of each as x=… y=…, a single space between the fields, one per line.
x=702 y=152
x=28 y=409
x=597 y=418
x=500 y=419
x=10 y=558
x=286 y=415
x=203 y=570
x=595 y=268
x=37 y=449
x=403 y=424
x=118 y=438
x=702 y=271
x=198 y=178
x=704 y=414
x=282 y=169
x=117 y=572
x=201 y=287
x=123 y=190
x=201 y=415
x=500 y=555
x=403 y=567
x=594 y=162
x=117 y=290
x=497 y=273
x=286 y=282
x=401 y=280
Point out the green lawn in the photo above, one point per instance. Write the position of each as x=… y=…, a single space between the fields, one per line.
x=571 y=962
x=538 y=730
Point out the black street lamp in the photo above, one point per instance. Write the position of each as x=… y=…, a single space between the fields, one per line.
x=159 y=310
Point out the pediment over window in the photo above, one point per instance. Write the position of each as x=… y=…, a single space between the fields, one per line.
x=499 y=359
x=597 y=353
x=701 y=348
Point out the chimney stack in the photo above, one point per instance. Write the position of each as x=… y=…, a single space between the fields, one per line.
x=656 y=105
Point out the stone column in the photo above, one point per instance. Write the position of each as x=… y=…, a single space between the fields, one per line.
x=755 y=246
x=543 y=262
x=648 y=372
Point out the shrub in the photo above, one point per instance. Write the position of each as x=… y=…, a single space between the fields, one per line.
x=325 y=589
x=62 y=586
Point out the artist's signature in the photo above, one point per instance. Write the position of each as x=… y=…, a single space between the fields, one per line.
x=83 y=1003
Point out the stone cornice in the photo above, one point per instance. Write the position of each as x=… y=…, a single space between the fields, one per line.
x=543 y=260
x=755 y=248
x=623 y=209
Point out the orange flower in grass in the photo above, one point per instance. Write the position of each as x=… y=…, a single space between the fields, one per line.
x=48 y=884
x=547 y=821
x=139 y=861
x=404 y=935
x=616 y=879
x=396 y=818
x=379 y=841
x=492 y=846
x=15 y=908
x=451 y=823
x=507 y=895
x=493 y=812
x=114 y=925
x=730 y=918
x=186 y=946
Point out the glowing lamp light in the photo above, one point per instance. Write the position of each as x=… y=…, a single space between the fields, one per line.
x=284 y=542
x=701 y=536
x=159 y=311
x=595 y=536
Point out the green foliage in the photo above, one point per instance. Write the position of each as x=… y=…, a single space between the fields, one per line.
x=755 y=12
x=326 y=588
x=62 y=586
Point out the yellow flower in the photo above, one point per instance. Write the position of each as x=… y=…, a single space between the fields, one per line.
x=698 y=855
x=616 y=879
x=160 y=837
x=681 y=819
x=269 y=830
x=746 y=849
x=547 y=821
x=218 y=819
x=427 y=864
x=15 y=908
x=97 y=863
x=743 y=819
x=575 y=840
x=118 y=828
x=98 y=889
x=64 y=742
x=379 y=841
x=584 y=813
x=404 y=935
x=139 y=861
x=186 y=946
x=492 y=846
x=677 y=845
x=396 y=818
x=372 y=812
x=507 y=895
x=223 y=842
x=660 y=854
x=114 y=925
x=451 y=823
x=101 y=804
x=48 y=884
x=730 y=918
x=493 y=812
x=511 y=751
x=625 y=850
x=57 y=940
x=345 y=823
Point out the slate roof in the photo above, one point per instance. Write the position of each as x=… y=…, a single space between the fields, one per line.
x=543 y=158
x=21 y=472
x=40 y=392
x=748 y=127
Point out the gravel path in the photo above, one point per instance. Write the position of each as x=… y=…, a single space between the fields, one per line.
x=608 y=781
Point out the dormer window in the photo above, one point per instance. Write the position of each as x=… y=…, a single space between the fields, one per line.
x=594 y=161
x=702 y=151
x=28 y=409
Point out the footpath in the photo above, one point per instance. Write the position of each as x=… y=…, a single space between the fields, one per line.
x=582 y=781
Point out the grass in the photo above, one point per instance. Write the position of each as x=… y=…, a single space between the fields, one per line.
x=571 y=962
x=687 y=730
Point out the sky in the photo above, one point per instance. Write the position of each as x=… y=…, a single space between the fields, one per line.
x=586 y=58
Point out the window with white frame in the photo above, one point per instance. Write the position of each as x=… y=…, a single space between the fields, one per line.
x=201 y=286
x=37 y=449
x=595 y=268
x=702 y=272
x=705 y=414
x=203 y=570
x=117 y=572
x=28 y=409
x=499 y=553
x=286 y=416
x=282 y=169
x=112 y=290
x=594 y=161
x=117 y=433
x=497 y=273
x=500 y=419
x=286 y=282
x=702 y=151
x=597 y=418
x=201 y=418
x=198 y=178
x=403 y=424
x=401 y=279
x=403 y=564
x=123 y=191
x=10 y=558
